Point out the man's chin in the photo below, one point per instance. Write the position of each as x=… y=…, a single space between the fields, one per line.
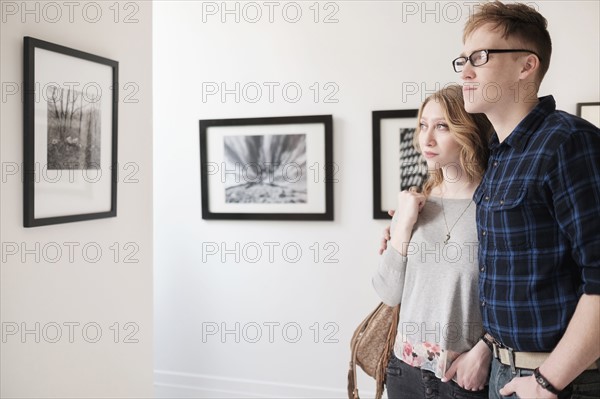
x=473 y=108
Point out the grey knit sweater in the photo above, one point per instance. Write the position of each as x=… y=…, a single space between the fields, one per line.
x=436 y=284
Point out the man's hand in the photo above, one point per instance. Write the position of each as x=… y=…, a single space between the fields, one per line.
x=386 y=235
x=526 y=387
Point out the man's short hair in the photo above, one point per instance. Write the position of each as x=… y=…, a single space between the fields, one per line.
x=518 y=21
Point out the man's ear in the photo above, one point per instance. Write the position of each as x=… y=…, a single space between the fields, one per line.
x=530 y=66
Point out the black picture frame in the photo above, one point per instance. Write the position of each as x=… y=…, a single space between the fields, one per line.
x=589 y=112
x=271 y=168
x=70 y=134
x=396 y=164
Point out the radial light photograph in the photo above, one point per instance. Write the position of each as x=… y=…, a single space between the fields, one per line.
x=266 y=168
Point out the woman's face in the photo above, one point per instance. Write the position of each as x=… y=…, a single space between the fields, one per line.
x=437 y=143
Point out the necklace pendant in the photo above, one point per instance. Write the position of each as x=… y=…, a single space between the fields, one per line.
x=447 y=238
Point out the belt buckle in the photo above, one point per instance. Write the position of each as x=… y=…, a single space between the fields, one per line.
x=511 y=354
x=495 y=347
x=511 y=359
x=495 y=351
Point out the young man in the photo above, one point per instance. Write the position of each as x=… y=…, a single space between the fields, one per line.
x=538 y=213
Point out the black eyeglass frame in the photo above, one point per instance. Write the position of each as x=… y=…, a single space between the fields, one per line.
x=487 y=53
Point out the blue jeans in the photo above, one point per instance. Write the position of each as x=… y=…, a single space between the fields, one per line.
x=585 y=386
x=407 y=382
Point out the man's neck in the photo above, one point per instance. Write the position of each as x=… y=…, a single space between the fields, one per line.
x=461 y=188
x=505 y=120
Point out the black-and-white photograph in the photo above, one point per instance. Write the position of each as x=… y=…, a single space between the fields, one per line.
x=266 y=168
x=413 y=167
x=273 y=168
x=397 y=165
x=73 y=129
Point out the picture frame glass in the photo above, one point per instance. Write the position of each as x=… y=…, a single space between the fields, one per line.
x=265 y=169
x=272 y=168
x=73 y=117
x=400 y=166
x=70 y=111
x=397 y=164
x=590 y=112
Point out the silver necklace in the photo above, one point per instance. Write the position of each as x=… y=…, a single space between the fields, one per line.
x=449 y=230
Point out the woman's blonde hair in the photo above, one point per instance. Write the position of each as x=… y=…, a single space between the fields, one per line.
x=471 y=132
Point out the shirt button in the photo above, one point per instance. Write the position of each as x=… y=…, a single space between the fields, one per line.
x=428 y=391
x=482 y=268
x=483 y=233
x=483 y=303
x=501 y=202
x=487 y=197
x=495 y=163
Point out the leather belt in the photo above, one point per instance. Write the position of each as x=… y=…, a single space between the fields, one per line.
x=524 y=360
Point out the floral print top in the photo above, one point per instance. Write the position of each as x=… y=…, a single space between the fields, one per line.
x=425 y=355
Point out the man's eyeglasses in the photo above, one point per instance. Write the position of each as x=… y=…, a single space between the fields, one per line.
x=481 y=57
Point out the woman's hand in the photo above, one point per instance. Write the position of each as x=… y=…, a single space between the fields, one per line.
x=410 y=204
x=471 y=368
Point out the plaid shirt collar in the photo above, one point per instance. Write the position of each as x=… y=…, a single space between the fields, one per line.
x=521 y=135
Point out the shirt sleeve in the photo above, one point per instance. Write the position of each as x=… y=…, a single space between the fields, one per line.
x=388 y=281
x=574 y=183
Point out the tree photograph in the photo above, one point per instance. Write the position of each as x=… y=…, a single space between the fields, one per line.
x=73 y=129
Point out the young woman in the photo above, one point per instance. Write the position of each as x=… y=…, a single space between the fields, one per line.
x=430 y=264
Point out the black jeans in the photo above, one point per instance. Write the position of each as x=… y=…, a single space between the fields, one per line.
x=407 y=382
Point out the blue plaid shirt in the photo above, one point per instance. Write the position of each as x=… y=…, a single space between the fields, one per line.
x=538 y=221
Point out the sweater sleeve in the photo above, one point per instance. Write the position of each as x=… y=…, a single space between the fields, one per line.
x=388 y=281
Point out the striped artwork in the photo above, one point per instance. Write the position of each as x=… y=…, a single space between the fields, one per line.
x=413 y=168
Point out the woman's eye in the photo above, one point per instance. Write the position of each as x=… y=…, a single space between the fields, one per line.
x=422 y=126
x=442 y=126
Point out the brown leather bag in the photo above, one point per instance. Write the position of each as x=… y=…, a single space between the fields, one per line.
x=371 y=347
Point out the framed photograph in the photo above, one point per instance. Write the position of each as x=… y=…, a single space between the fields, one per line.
x=278 y=168
x=70 y=134
x=396 y=163
x=590 y=112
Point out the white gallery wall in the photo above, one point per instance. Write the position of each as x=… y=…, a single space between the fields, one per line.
x=232 y=318
x=76 y=298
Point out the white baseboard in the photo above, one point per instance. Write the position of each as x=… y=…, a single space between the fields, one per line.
x=171 y=384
